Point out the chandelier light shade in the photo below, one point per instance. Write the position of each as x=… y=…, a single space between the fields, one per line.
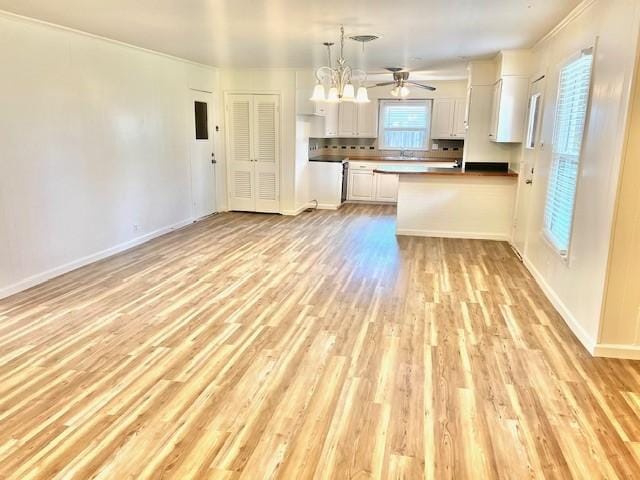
x=362 y=96
x=318 y=93
x=348 y=93
x=340 y=79
x=333 y=96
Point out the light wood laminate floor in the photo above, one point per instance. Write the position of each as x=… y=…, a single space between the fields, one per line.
x=259 y=346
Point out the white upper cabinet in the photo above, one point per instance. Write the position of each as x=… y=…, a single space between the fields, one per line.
x=351 y=119
x=331 y=120
x=347 y=119
x=509 y=108
x=459 y=118
x=449 y=118
x=368 y=119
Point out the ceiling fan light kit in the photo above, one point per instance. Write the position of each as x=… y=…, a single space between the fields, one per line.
x=400 y=82
x=341 y=78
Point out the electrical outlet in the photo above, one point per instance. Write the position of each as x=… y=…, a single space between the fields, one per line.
x=434 y=146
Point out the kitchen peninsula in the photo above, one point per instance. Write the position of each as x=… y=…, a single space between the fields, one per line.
x=453 y=202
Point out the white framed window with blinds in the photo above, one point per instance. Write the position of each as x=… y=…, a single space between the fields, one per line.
x=404 y=124
x=574 y=86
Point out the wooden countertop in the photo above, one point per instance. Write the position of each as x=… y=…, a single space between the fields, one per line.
x=424 y=170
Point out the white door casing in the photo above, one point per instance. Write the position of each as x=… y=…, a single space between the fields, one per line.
x=530 y=152
x=202 y=167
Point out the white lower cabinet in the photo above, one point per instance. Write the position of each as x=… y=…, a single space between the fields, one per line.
x=386 y=187
x=361 y=185
x=367 y=186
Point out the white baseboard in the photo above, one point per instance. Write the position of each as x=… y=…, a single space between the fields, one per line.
x=444 y=234
x=615 y=350
x=298 y=210
x=319 y=206
x=587 y=341
x=38 y=278
x=328 y=206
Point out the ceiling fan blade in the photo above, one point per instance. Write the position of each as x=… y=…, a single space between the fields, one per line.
x=384 y=84
x=426 y=87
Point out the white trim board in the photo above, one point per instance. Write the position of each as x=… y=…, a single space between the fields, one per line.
x=442 y=234
x=42 y=277
x=614 y=350
x=582 y=335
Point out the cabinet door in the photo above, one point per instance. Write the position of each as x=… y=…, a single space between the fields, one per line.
x=459 y=115
x=386 y=187
x=512 y=109
x=266 y=135
x=241 y=154
x=368 y=119
x=361 y=186
x=347 y=119
x=442 y=124
x=331 y=120
x=495 y=110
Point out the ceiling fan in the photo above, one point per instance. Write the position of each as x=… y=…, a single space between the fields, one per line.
x=401 y=80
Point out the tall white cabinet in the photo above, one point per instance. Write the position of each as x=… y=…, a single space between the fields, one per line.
x=253 y=141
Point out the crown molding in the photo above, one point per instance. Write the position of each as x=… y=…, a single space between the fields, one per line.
x=573 y=14
x=21 y=18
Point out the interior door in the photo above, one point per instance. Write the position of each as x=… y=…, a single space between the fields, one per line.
x=241 y=153
x=266 y=135
x=203 y=173
x=533 y=144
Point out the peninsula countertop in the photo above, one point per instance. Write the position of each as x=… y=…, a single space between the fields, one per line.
x=373 y=159
x=425 y=170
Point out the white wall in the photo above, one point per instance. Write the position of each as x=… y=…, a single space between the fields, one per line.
x=620 y=324
x=576 y=287
x=94 y=138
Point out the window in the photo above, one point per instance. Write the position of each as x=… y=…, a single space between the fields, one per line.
x=202 y=124
x=570 y=117
x=404 y=125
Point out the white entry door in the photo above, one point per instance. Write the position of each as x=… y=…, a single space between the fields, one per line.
x=203 y=173
x=254 y=152
x=532 y=146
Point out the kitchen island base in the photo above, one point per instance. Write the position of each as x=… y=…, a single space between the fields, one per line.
x=456 y=206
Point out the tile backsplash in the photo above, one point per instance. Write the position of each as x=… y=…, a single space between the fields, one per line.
x=369 y=147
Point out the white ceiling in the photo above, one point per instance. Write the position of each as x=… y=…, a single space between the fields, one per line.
x=433 y=36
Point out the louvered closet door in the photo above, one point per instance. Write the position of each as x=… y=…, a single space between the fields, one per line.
x=266 y=135
x=242 y=187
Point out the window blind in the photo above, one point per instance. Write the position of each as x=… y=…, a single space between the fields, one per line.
x=571 y=113
x=405 y=125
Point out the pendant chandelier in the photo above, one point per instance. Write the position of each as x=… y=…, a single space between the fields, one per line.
x=341 y=78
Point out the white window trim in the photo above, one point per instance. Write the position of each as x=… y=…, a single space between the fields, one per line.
x=565 y=255
x=381 y=129
x=534 y=120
